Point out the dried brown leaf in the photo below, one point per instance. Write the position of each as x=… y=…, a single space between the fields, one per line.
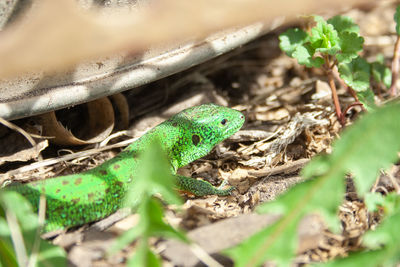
x=26 y=154
x=100 y=125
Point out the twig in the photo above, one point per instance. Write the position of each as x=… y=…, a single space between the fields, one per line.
x=16 y=128
x=204 y=256
x=395 y=67
x=288 y=168
x=112 y=136
x=48 y=162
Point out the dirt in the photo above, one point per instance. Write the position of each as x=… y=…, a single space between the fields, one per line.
x=289 y=119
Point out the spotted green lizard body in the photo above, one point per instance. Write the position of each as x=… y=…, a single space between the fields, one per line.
x=94 y=194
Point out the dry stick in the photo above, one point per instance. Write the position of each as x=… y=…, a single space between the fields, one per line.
x=395 y=67
x=16 y=128
x=51 y=161
x=202 y=255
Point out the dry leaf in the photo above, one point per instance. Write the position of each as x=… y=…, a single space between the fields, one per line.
x=100 y=125
x=25 y=154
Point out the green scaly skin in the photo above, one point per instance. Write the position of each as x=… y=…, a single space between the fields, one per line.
x=94 y=194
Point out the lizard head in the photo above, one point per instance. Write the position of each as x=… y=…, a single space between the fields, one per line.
x=200 y=128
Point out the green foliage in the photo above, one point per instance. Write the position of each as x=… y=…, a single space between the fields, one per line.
x=292 y=39
x=324 y=38
x=384 y=242
x=278 y=242
x=356 y=74
x=19 y=233
x=370 y=145
x=380 y=72
x=337 y=37
x=350 y=43
x=349 y=39
x=153 y=177
x=397 y=19
x=335 y=42
x=344 y=24
x=295 y=43
x=367 y=146
x=144 y=257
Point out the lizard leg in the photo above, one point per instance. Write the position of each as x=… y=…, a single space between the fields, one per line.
x=223 y=184
x=200 y=187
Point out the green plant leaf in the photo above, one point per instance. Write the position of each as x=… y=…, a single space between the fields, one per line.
x=151 y=223
x=7 y=255
x=350 y=41
x=350 y=44
x=295 y=43
x=370 y=146
x=385 y=242
x=291 y=39
x=153 y=217
x=344 y=24
x=256 y=249
x=367 y=98
x=375 y=201
x=304 y=55
x=144 y=257
x=386 y=234
x=324 y=38
x=364 y=148
x=397 y=19
x=154 y=176
x=381 y=73
x=26 y=222
x=356 y=74
x=365 y=259
x=278 y=242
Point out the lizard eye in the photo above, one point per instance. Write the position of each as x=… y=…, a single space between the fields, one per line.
x=224 y=121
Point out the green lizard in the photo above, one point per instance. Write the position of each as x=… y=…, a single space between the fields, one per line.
x=94 y=194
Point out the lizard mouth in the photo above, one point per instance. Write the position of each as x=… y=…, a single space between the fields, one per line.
x=236 y=124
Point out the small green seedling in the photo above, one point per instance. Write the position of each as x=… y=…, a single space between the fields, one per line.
x=334 y=45
x=154 y=178
x=20 y=242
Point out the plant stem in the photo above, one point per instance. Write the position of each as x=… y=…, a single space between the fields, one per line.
x=335 y=97
x=351 y=106
x=395 y=67
x=329 y=70
x=336 y=74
